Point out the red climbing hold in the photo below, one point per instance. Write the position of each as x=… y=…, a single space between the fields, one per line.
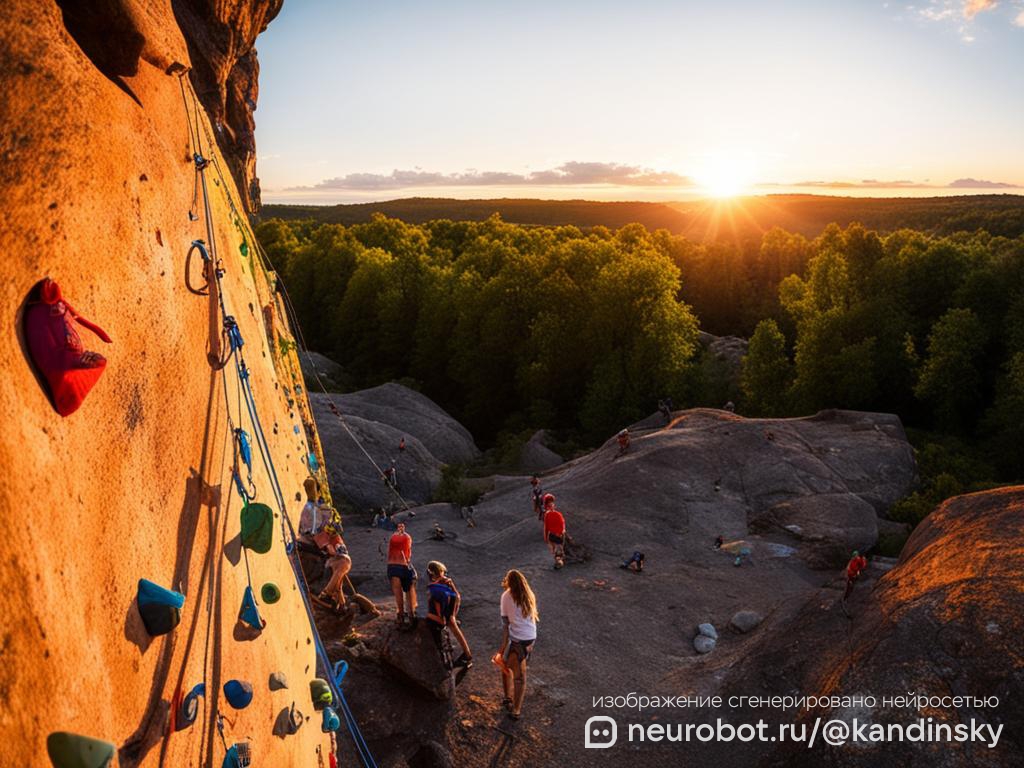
x=56 y=348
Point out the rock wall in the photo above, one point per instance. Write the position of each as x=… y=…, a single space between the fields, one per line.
x=96 y=180
x=946 y=621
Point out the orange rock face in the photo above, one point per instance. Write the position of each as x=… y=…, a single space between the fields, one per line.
x=97 y=182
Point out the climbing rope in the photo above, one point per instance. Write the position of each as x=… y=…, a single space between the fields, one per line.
x=243 y=222
x=243 y=450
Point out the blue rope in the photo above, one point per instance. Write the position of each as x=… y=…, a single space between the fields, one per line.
x=289 y=538
x=236 y=342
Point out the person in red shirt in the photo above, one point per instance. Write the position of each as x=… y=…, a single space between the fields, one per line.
x=402 y=576
x=623 y=438
x=854 y=568
x=554 y=530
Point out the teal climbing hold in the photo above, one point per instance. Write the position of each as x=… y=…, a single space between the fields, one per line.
x=69 y=750
x=250 y=613
x=331 y=721
x=160 y=608
x=270 y=593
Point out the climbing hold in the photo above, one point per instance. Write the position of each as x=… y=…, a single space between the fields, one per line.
x=238 y=693
x=331 y=721
x=160 y=608
x=278 y=681
x=270 y=593
x=56 y=348
x=296 y=429
x=69 y=750
x=238 y=756
x=249 y=612
x=314 y=465
x=257 y=527
x=321 y=694
x=190 y=706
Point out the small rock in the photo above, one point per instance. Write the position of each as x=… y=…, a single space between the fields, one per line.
x=744 y=621
x=278 y=681
x=708 y=630
x=704 y=644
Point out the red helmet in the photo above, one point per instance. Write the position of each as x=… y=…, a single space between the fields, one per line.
x=549 y=498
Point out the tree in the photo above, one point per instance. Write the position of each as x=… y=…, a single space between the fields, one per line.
x=767 y=373
x=950 y=381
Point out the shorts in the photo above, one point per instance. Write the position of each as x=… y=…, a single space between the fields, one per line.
x=406 y=574
x=554 y=538
x=523 y=649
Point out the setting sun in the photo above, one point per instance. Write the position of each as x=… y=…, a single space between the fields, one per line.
x=724 y=177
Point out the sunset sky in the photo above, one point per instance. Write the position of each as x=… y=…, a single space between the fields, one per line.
x=639 y=100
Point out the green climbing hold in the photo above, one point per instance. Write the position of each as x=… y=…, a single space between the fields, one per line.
x=257 y=527
x=270 y=593
x=320 y=693
x=244 y=249
x=69 y=750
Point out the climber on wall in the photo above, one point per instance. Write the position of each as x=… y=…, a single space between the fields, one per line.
x=519 y=619
x=312 y=518
x=554 y=530
x=338 y=561
x=402 y=576
x=854 y=569
x=443 y=601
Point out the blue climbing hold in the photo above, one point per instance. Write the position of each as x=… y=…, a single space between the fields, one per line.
x=238 y=693
x=296 y=429
x=314 y=465
x=190 y=706
x=331 y=721
x=69 y=750
x=250 y=613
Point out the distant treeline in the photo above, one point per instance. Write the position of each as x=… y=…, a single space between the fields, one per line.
x=513 y=327
x=738 y=220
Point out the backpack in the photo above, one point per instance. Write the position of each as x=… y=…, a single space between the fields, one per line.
x=257 y=527
x=56 y=348
x=444 y=596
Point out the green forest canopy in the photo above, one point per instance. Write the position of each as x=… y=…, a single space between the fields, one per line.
x=512 y=327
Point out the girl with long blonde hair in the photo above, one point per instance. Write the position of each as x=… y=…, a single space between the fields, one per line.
x=519 y=619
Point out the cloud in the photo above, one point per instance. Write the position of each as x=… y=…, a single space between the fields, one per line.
x=973 y=7
x=567 y=174
x=967 y=183
x=865 y=184
x=980 y=184
x=1018 y=20
x=959 y=12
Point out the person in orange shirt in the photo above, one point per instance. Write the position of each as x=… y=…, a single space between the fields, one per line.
x=854 y=569
x=554 y=530
x=402 y=576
